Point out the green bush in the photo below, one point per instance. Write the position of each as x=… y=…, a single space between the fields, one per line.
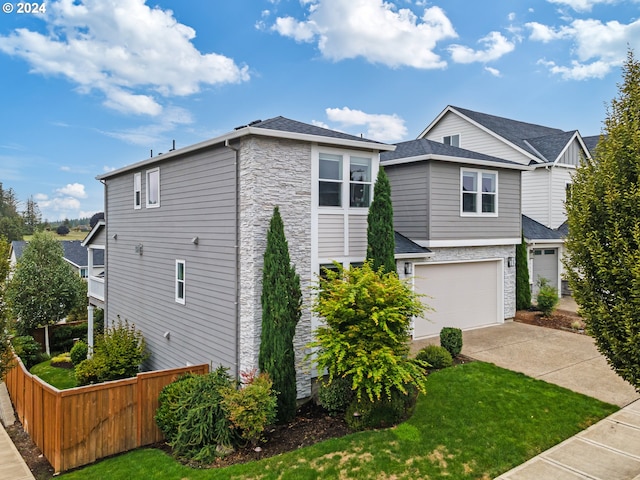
x=28 y=350
x=63 y=337
x=62 y=360
x=252 y=407
x=79 y=352
x=192 y=417
x=117 y=354
x=336 y=396
x=385 y=412
x=436 y=356
x=547 y=297
x=451 y=339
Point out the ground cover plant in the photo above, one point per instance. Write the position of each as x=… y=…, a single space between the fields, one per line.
x=477 y=421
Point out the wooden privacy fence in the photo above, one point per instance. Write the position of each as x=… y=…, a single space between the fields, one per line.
x=78 y=426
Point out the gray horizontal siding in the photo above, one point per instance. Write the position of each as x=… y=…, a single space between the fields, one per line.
x=197 y=199
x=410 y=197
x=446 y=223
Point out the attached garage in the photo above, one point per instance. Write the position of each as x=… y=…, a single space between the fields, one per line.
x=464 y=295
x=544 y=265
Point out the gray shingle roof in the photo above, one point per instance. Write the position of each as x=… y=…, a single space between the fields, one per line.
x=74 y=252
x=533 y=230
x=591 y=143
x=521 y=133
x=404 y=245
x=287 y=125
x=424 y=147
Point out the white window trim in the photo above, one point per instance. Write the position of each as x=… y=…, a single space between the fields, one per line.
x=157 y=204
x=478 y=212
x=451 y=136
x=181 y=300
x=137 y=188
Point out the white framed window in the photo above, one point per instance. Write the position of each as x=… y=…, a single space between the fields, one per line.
x=137 y=190
x=360 y=182
x=478 y=193
x=333 y=168
x=84 y=272
x=453 y=140
x=153 y=188
x=180 y=281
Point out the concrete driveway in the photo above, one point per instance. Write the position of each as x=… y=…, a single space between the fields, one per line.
x=564 y=358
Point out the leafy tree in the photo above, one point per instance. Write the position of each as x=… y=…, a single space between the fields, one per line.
x=95 y=218
x=603 y=265
x=44 y=287
x=281 y=308
x=11 y=225
x=380 y=235
x=367 y=331
x=523 y=288
x=62 y=230
x=31 y=217
x=5 y=349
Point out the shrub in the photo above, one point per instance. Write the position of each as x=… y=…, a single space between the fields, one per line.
x=366 y=335
x=336 y=396
x=436 y=356
x=252 y=407
x=451 y=339
x=384 y=412
x=79 y=352
x=62 y=361
x=547 y=297
x=192 y=417
x=117 y=354
x=28 y=350
x=63 y=337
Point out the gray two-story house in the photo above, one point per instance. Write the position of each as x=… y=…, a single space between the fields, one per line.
x=464 y=207
x=186 y=233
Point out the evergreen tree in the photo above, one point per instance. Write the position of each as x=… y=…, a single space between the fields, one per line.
x=281 y=308
x=603 y=243
x=523 y=288
x=5 y=348
x=31 y=217
x=11 y=224
x=44 y=287
x=380 y=235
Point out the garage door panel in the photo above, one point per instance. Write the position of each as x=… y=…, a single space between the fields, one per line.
x=464 y=295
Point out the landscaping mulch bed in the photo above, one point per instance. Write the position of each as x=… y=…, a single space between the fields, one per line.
x=37 y=463
x=559 y=319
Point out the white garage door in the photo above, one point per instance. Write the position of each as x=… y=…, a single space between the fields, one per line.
x=464 y=295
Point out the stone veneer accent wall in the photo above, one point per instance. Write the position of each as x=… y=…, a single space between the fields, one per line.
x=274 y=172
x=476 y=253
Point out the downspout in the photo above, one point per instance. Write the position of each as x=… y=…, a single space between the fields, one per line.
x=105 y=316
x=237 y=250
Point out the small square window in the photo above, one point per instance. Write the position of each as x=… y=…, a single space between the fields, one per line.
x=453 y=140
x=479 y=192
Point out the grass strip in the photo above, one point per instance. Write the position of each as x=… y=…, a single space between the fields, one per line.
x=61 y=378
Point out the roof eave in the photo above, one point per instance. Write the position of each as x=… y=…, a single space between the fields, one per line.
x=460 y=160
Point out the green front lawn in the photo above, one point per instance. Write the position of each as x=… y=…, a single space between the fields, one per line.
x=476 y=422
x=61 y=378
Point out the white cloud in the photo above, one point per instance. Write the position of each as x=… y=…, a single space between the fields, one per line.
x=385 y=128
x=582 y=5
x=496 y=45
x=107 y=169
x=131 y=54
x=598 y=47
x=493 y=71
x=75 y=190
x=64 y=168
x=148 y=135
x=40 y=197
x=59 y=207
x=372 y=29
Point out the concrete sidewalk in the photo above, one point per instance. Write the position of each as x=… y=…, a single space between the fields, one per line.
x=12 y=466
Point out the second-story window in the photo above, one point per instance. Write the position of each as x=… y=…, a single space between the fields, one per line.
x=180 y=281
x=360 y=184
x=330 y=186
x=453 y=140
x=153 y=188
x=137 y=190
x=479 y=192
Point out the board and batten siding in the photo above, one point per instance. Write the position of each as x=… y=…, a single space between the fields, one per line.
x=474 y=138
x=572 y=155
x=410 y=198
x=446 y=223
x=197 y=199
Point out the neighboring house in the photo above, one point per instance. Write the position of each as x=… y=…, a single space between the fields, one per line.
x=95 y=243
x=74 y=253
x=185 y=236
x=463 y=209
x=553 y=153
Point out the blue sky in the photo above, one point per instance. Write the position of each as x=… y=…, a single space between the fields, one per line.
x=93 y=85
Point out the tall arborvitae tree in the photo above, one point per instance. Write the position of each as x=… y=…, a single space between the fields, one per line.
x=281 y=310
x=603 y=211
x=523 y=287
x=380 y=235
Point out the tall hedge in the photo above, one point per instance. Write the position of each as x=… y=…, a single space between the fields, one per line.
x=281 y=308
x=380 y=236
x=523 y=287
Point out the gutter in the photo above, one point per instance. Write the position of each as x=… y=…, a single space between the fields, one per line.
x=237 y=253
